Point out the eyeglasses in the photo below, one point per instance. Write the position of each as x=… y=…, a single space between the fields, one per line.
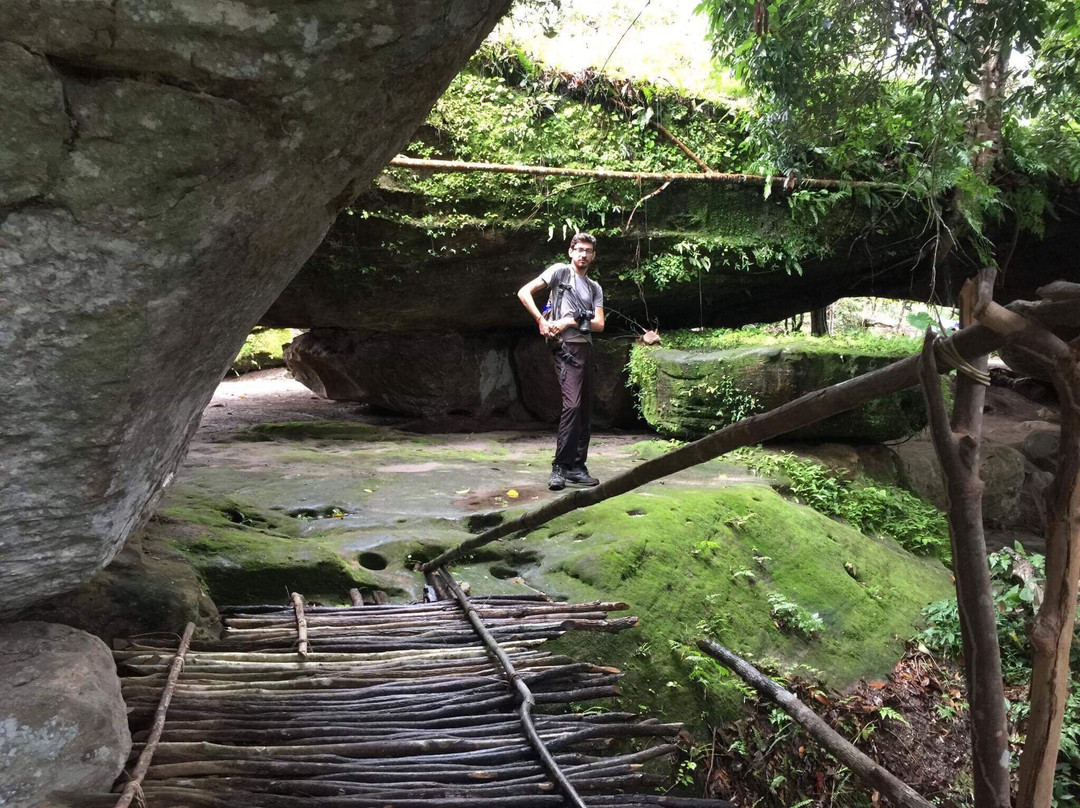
x=584 y=249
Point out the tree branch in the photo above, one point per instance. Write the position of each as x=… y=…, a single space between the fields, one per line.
x=899 y=792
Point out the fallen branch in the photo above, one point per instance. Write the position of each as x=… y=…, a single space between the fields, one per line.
x=881 y=779
x=134 y=785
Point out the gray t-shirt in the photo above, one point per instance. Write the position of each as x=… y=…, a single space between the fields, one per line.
x=588 y=293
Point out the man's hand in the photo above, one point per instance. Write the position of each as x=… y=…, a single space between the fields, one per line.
x=545 y=328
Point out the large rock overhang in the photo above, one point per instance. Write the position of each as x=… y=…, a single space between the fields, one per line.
x=166 y=166
x=383 y=269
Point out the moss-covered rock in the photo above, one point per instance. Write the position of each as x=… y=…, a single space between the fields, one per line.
x=717 y=563
x=149 y=587
x=712 y=550
x=244 y=554
x=691 y=392
x=262 y=349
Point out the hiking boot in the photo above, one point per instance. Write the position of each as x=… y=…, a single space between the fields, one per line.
x=581 y=476
x=557 y=481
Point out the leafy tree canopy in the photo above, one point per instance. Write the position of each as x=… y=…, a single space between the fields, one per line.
x=979 y=98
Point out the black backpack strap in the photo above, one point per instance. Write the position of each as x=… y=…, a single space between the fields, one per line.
x=559 y=279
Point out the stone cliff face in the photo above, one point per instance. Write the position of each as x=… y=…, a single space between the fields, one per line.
x=166 y=166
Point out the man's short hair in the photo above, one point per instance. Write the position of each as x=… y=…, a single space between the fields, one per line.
x=588 y=238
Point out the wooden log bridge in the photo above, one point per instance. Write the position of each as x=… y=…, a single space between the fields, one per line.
x=387 y=706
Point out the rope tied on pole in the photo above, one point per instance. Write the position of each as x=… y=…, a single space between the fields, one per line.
x=946 y=354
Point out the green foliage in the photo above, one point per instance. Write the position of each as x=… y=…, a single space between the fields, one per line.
x=722 y=398
x=641 y=371
x=863 y=343
x=913 y=523
x=505 y=108
x=883 y=90
x=1013 y=601
x=793 y=617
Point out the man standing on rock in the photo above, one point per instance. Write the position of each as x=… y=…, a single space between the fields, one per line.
x=575 y=311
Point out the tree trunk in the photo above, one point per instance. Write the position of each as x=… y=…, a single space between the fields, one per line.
x=1051 y=631
x=958 y=450
x=819 y=322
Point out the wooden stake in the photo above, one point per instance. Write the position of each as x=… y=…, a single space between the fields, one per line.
x=301 y=624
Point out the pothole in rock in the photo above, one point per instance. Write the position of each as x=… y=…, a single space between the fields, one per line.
x=372 y=561
x=502 y=571
x=239 y=517
x=479 y=522
x=317 y=512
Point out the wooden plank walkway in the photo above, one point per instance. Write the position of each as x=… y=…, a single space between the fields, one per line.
x=393 y=706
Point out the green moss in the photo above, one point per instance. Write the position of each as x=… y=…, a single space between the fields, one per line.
x=243 y=554
x=319 y=430
x=865 y=344
x=262 y=349
x=700 y=381
x=500 y=110
x=915 y=524
x=694 y=564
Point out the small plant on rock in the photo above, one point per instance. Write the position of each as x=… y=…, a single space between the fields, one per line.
x=791 y=616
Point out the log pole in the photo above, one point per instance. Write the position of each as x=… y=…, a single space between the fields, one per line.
x=134 y=785
x=779 y=182
x=525 y=694
x=888 y=784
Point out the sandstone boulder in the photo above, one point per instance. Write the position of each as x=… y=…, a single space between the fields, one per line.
x=355 y=280
x=1014 y=487
x=691 y=393
x=165 y=170
x=147 y=588
x=1042 y=448
x=613 y=401
x=63 y=723
x=424 y=375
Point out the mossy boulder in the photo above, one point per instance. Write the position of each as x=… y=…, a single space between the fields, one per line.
x=149 y=587
x=688 y=393
x=694 y=563
x=244 y=554
x=262 y=349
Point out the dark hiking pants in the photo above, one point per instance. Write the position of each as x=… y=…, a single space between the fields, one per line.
x=574 y=368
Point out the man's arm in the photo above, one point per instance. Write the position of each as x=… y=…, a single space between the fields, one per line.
x=525 y=295
x=596 y=324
